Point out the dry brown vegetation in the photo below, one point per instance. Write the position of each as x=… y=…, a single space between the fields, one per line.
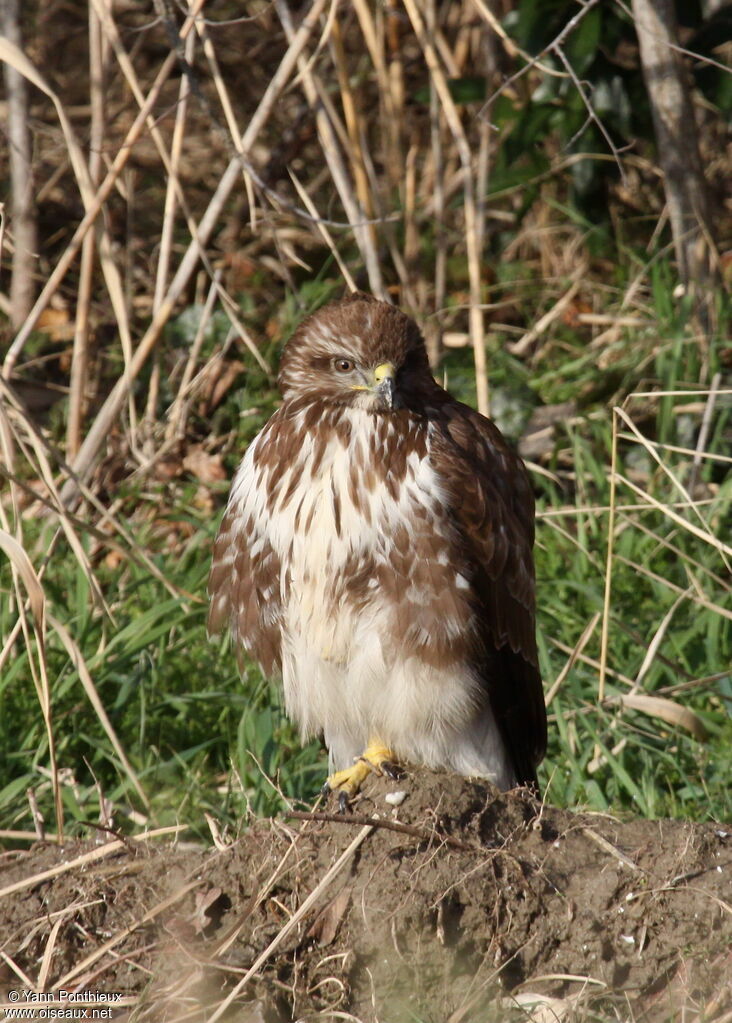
x=202 y=176
x=460 y=904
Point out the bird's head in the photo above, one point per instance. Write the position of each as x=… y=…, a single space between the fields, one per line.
x=358 y=352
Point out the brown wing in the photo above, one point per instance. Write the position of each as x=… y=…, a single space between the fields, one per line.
x=244 y=582
x=490 y=495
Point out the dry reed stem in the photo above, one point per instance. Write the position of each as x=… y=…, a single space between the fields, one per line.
x=354 y=126
x=676 y=551
x=21 y=567
x=130 y=76
x=602 y=509
x=5 y=305
x=23 y=977
x=294 y=920
x=591 y=662
x=230 y=117
x=658 y=637
x=666 y=710
x=85 y=859
x=43 y=472
x=389 y=114
x=130 y=549
x=177 y=414
x=704 y=429
x=109 y=268
x=604 y=640
x=59 y=271
x=692 y=452
x=173 y=180
x=520 y=347
x=699 y=392
x=48 y=955
x=391 y=45
x=438 y=200
x=82 y=670
x=411 y=230
x=442 y=47
x=318 y=101
x=115 y=400
x=120 y=936
x=95 y=201
x=582 y=642
x=472 y=233
x=702 y=534
x=168 y=225
x=171 y=192
x=80 y=356
x=650 y=448
x=694 y=597
x=12 y=835
x=16 y=59
x=322 y=230
x=23 y=212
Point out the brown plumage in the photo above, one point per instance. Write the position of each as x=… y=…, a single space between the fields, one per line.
x=376 y=553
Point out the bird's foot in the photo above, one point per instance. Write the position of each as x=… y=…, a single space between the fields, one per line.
x=376 y=758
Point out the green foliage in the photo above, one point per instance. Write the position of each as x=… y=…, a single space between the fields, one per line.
x=311 y=295
x=644 y=763
x=599 y=49
x=603 y=755
x=202 y=738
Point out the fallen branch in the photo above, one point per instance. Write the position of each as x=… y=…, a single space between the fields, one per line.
x=378 y=822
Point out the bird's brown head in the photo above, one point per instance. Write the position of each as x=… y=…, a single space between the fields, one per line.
x=359 y=353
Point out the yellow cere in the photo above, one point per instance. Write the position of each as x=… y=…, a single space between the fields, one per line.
x=383 y=372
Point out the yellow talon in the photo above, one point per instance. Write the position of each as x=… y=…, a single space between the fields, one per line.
x=350 y=779
x=376 y=757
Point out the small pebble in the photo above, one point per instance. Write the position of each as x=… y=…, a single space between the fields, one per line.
x=395 y=798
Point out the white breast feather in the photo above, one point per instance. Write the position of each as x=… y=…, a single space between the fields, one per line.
x=338 y=678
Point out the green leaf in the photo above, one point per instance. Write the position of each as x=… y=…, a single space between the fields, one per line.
x=581 y=46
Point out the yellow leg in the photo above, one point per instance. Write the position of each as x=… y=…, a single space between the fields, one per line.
x=376 y=757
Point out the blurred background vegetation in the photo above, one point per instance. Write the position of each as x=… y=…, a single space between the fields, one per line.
x=182 y=185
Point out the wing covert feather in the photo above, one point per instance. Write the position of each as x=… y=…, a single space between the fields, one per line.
x=243 y=584
x=490 y=495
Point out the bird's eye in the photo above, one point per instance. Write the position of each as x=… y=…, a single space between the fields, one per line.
x=343 y=365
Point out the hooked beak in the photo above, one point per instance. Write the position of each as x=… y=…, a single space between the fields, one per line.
x=384 y=384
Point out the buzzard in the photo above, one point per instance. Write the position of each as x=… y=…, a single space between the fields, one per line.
x=376 y=554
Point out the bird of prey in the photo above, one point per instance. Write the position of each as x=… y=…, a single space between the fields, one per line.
x=376 y=554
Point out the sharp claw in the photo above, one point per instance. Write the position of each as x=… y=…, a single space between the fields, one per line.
x=347 y=782
x=391 y=770
x=384 y=767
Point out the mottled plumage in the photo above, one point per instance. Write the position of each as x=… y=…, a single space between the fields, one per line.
x=376 y=554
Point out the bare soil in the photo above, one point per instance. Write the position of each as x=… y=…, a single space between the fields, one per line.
x=460 y=904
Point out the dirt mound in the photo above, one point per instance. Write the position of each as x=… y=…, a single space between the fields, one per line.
x=458 y=904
